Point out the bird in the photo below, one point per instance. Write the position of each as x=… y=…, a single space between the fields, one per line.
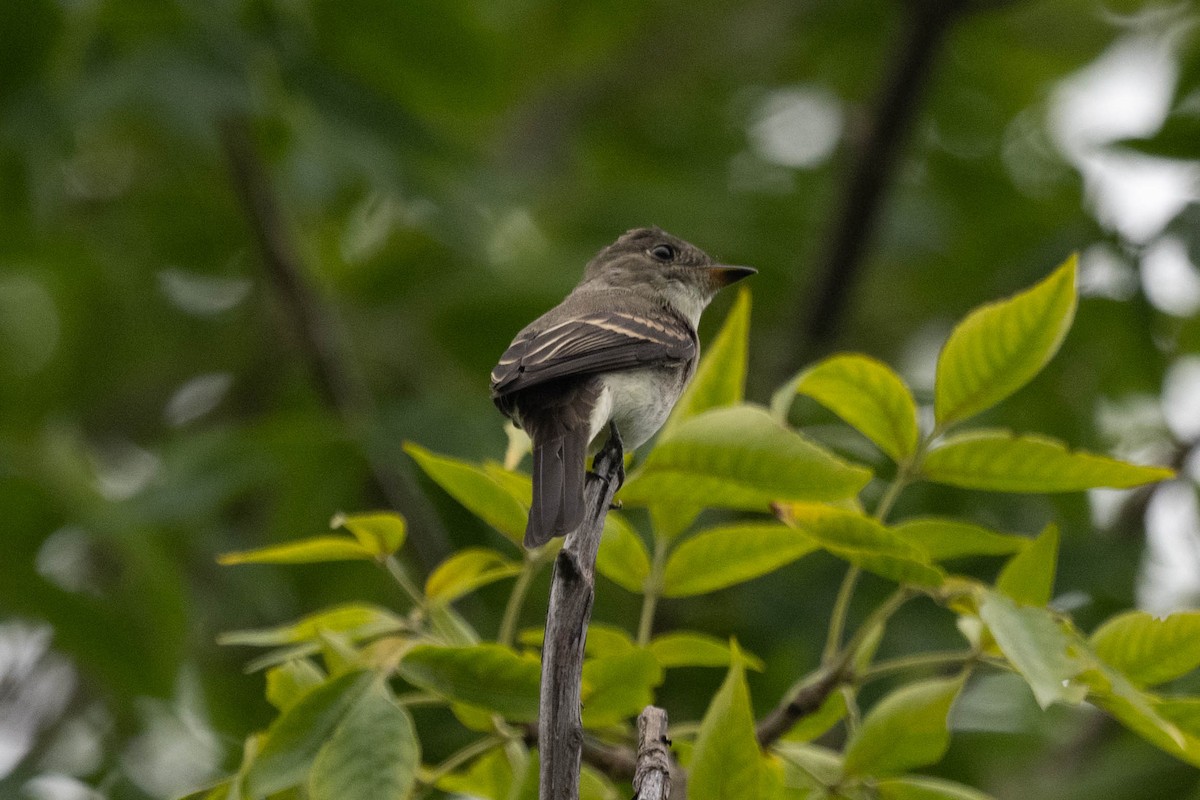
x=615 y=354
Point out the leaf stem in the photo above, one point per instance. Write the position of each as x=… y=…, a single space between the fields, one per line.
x=878 y=617
x=397 y=571
x=841 y=606
x=853 y=712
x=934 y=660
x=653 y=588
x=893 y=492
x=841 y=659
x=516 y=600
x=837 y=618
x=905 y=471
x=456 y=760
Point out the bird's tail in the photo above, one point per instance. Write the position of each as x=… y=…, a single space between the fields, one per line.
x=559 y=452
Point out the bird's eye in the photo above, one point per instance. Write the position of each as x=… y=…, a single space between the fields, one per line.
x=663 y=252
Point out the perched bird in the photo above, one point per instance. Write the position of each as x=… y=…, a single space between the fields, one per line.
x=616 y=353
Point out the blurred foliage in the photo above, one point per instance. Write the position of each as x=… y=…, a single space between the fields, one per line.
x=334 y=739
x=445 y=169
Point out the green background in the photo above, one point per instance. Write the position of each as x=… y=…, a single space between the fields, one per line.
x=442 y=169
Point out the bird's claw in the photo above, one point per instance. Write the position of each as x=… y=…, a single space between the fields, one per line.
x=614 y=450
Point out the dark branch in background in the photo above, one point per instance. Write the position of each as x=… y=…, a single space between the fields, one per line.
x=872 y=167
x=572 y=588
x=320 y=339
x=805 y=702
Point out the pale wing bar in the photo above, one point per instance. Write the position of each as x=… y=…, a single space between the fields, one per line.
x=594 y=342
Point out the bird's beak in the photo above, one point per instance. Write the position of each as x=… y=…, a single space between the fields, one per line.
x=721 y=275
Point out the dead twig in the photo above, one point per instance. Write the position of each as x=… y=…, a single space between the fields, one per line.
x=652 y=777
x=572 y=588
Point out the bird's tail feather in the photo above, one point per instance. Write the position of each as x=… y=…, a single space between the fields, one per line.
x=558 y=475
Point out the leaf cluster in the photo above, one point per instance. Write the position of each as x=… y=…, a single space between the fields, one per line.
x=344 y=679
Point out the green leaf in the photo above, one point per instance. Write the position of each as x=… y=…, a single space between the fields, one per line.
x=381 y=532
x=622 y=557
x=943 y=538
x=281 y=655
x=487 y=675
x=288 y=747
x=223 y=790
x=618 y=687
x=1139 y=712
x=999 y=347
x=498 y=503
x=1184 y=712
x=690 y=649
x=290 y=681
x=595 y=786
x=491 y=775
x=669 y=520
x=809 y=767
x=914 y=787
x=721 y=557
x=726 y=761
x=353 y=620
x=451 y=626
x=517 y=484
x=605 y=640
x=373 y=754
x=1149 y=650
x=474 y=718
x=1001 y=461
x=864 y=542
x=905 y=729
x=1036 y=644
x=1028 y=577
x=720 y=378
x=771 y=778
x=740 y=457
x=525 y=780
x=466 y=571
x=810 y=726
x=305 y=551
x=339 y=653
x=865 y=393
x=523 y=784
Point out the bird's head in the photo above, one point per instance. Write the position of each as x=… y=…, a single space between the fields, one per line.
x=654 y=261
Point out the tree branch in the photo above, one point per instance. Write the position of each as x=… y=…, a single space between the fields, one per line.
x=572 y=588
x=622 y=763
x=652 y=778
x=321 y=343
x=872 y=169
x=810 y=697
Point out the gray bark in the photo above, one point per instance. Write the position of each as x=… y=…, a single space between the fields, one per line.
x=652 y=778
x=560 y=727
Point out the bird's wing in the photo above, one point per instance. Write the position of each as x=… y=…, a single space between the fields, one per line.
x=590 y=342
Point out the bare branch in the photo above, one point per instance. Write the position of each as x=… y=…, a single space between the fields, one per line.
x=572 y=588
x=793 y=708
x=320 y=340
x=652 y=778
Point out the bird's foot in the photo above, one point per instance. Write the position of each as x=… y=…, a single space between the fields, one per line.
x=612 y=455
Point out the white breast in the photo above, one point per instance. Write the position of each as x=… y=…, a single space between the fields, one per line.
x=638 y=400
